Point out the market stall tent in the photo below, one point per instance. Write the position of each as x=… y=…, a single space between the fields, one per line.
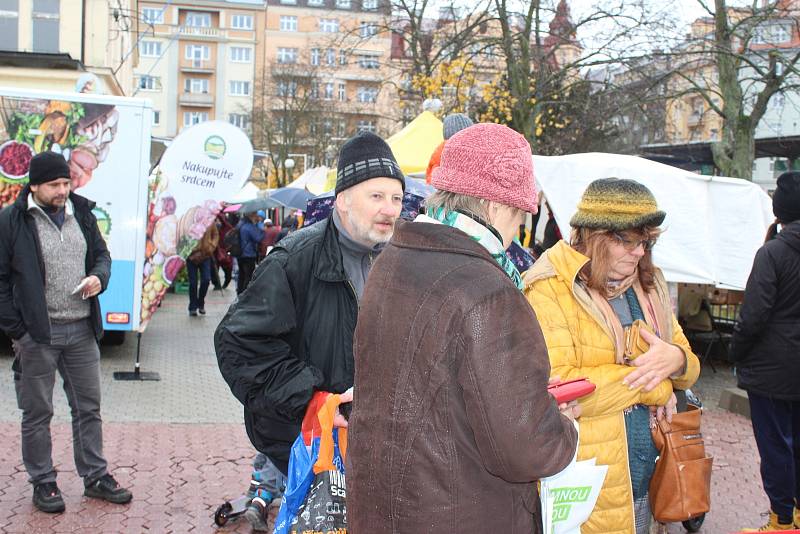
x=714 y=225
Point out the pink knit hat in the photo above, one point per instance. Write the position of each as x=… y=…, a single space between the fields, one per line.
x=488 y=161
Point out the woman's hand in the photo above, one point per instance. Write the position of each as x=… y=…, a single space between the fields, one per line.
x=571 y=409
x=660 y=362
x=668 y=410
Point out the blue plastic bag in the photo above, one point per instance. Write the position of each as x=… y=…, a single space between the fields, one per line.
x=301 y=475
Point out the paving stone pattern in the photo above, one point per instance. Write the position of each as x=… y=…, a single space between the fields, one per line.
x=180 y=445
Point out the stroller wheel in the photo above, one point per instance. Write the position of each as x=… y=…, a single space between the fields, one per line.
x=694 y=524
x=222 y=513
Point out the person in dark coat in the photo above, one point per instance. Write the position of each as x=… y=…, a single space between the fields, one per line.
x=250 y=235
x=766 y=351
x=452 y=423
x=290 y=334
x=53 y=265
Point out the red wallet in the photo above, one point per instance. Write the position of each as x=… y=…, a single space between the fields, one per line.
x=570 y=390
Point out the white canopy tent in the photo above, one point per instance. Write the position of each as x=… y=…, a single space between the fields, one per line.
x=713 y=227
x=248 y=191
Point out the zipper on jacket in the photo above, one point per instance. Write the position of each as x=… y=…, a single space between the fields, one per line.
x=628 y=469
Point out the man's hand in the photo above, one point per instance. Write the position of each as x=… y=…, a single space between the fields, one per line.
x=339 y=421
x=660 y=362
x=92 y=287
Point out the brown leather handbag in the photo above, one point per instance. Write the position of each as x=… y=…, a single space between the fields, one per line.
x=681 y=485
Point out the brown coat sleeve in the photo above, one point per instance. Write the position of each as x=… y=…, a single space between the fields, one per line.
x=519 y=431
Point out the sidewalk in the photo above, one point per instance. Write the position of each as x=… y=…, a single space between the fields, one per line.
x=180 y=445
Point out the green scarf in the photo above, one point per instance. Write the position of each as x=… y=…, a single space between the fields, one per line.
x=486 y=237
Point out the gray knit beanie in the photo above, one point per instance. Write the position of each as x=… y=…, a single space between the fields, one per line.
x=454 y=123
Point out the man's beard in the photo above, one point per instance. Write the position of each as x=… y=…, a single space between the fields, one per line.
x=366 y=233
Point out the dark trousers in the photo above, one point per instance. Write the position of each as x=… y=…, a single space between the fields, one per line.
x=73 y=352
x=776 y=425
x=246 y=268
x=197 y=297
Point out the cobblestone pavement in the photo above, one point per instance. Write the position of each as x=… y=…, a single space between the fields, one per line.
x=180 y=445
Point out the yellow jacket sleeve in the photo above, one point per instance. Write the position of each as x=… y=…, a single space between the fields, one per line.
x=688 y=378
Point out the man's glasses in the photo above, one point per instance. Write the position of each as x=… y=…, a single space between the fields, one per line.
x=632 y=244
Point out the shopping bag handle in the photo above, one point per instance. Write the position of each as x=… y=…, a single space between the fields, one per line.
x=311 y=427
x=325 y=417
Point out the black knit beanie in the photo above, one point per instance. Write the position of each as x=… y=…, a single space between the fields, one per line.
x=786 y=199
x=364 y=157
x=46 y=167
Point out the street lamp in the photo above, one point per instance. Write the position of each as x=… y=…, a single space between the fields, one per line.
x=288 y=165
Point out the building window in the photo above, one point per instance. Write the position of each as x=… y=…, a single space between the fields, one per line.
x=287 y=55
x=341 y=129
x=289 y=2
x=343 y=4
x=242 y=22
x=367 y=94
x=342 y=57
x=9 y=25
x=45 y=25
x=195 y=85
x=240 y=120
x=149 y=83
x=239 y=88
x=365 y=126
x=342 y=92
x=287 y=88
x=150 y=49
x=194 y=117
x=328 y=25
x=330 y=57
x=315 y=56
x=288 y=23
x=329 y=91
x=316 y=2
x=153 y=15
x=369 y=4
x=368 y=29
x=241 y=54
x=198 y=52
x=196 y=19
x=368 y=62
x=315 y=90
x=156 y=117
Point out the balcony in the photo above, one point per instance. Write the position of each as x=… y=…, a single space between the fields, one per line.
x=201 y=100
x=694 y=119
x=197 y=66
x=196 y=32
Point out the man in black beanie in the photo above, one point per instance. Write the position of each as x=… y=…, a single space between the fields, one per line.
x=290 y=333
x=53 y=264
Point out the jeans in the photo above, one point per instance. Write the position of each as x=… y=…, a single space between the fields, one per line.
x=197 y=298
x=776 y=426
x=73 y=351
x=246 y=268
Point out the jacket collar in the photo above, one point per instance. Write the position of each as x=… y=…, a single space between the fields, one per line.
x=329 y=266
x=438 y=238
x=79 y=204
x=560 y=260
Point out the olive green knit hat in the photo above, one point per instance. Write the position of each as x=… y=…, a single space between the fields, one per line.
x=617 y=204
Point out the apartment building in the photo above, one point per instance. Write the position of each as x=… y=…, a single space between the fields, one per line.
x=49 y=44
x=340 y=50
x=198 y=61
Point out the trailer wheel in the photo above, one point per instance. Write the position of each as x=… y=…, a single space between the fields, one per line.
x=114 y=337
x=694 y=524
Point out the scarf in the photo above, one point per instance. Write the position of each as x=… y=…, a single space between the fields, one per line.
x=650 y=302
x=481 y=233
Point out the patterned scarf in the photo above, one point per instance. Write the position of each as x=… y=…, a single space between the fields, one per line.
x=486 y=237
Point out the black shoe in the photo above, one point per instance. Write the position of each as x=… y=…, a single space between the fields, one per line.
x=192 y=313
x=47 y=498
x=108 y=489
x=201 y=311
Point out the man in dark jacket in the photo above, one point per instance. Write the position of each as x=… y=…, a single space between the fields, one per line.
x=250 y=235
x=291 y=332
x=766 y=351
x=53 y=264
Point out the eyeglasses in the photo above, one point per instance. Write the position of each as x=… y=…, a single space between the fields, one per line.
x=632 y=244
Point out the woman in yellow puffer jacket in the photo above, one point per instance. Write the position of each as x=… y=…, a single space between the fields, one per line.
x=586 y=295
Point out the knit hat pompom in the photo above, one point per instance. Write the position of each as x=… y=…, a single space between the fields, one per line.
x=786 y=199
x=46 y=167
x=363 y=157
x=488 y=161
x=617 y=204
